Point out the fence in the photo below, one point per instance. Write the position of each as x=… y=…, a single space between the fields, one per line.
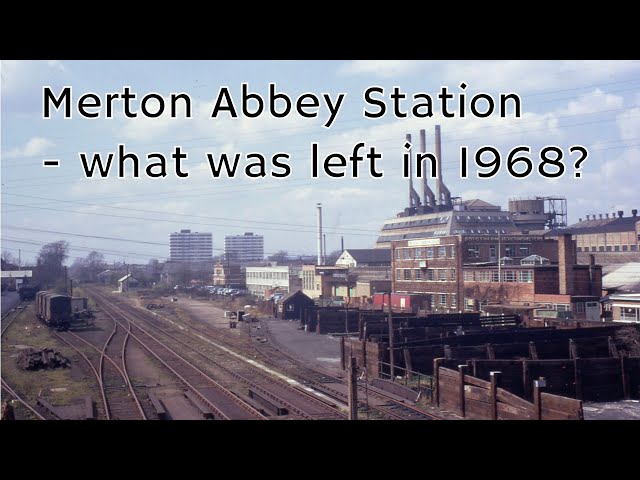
x=418 y=382
x=475 y=398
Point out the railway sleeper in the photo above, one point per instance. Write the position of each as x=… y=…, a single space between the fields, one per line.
x=254 y=404
x=205 y=410
x=270 y=404
x=158 y=406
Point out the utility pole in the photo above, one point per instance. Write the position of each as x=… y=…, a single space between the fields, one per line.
x=391 y=360
x=71 y=287
x=352 y=381
x=66 y=288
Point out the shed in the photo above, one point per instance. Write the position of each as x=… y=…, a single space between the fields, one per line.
x=125 y=282
x=293 y=304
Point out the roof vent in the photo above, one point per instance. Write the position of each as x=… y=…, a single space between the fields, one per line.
x=620 y=213
x=600 y=216
x=587 y=217
x=607 y=215
x=634 y=212
x=579 y=219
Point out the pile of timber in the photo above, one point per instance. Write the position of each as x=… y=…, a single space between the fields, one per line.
x=34 y=359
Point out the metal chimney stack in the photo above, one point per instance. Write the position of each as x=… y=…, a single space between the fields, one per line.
x=320 y=256
x=428 y=197
x=442 y=192
x=414 y=198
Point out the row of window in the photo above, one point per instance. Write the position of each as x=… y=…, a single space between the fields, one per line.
x=426 y=252
x=426 y=275
x=521 y=276
x=610 y=248
x=439 y=300
x=473 y=251
x=272 y=275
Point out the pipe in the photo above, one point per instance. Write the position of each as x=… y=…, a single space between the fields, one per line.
x=319 y=205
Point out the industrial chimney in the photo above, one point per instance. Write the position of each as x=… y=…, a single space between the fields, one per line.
x=634 y=212
x=320 y=256
x=442 y=192
x=428 y=197
x=620 y=213
x=414 y=198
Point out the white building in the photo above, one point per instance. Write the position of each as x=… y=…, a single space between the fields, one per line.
x=283 y=278
x=243 y=248
x=188 y=246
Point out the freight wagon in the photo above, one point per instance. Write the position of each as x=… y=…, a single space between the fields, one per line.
x=54 y=310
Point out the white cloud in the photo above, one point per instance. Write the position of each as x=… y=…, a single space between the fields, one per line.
x=22 y=83
x=593 y=102
x=629 y=124
x=34 y=147
x=381 y=68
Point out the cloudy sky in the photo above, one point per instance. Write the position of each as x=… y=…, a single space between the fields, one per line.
x=594 y=104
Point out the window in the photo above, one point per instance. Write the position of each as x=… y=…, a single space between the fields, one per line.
x=616 y=248
x=473 y=251
x=452 y=274
x=419 y=253
x=525 y=276
x=468 y=276
x=562 y=308
x=624 y=248
x=509 y=276
x=524 y=251
x=417 y=274
x=442 y=252
x=579 y=307
x=629 y=314
x=432 y=296
x=398 y=253
x=483 y=276
x=495 y=276
x=633 y=248
x=601 y=248
x=430 y=276
x=608 y=248
x=468 y=304
x=443 y=299
x=454 y=300
x=398 y=274
x=579 y=249
x=510 y=251
x=407 y=274
x=593 y=249
x=492 y=253
x=429 y=252
x=442 y=275
x=407 y=254
x=453 y=251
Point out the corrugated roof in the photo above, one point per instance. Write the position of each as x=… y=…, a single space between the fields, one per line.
x=600 y=225
x=370 y=255
x=624 y=278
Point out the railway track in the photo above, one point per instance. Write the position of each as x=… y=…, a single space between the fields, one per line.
x=9 y=317
x=386 y=405
x=249 y=376
x=223 y=402
x=21 y=401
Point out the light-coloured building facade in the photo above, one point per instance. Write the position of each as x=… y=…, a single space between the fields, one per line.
x=187 y=246
x=261 y=280
x=243 y=248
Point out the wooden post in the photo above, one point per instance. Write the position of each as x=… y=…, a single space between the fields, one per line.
x=407 y=363
x=533 y=351
x=353 y=389
x=494 y=394
x=625 y=379
x=436 y=380
x=573 y=349
x=577 y=367
x=318 y=323
x=447 y=352
x=490 y=353
x=538 y=385
x=462 y=369
x=613 y=351
x=343 y=359
x=526 y=379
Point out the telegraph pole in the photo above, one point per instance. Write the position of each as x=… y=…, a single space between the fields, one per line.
x=391 y=360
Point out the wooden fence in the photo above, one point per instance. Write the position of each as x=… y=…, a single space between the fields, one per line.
x=475 y=398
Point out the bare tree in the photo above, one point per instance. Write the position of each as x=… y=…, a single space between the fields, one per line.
x=629 y=337
x=9 y=257
x=50 y=261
